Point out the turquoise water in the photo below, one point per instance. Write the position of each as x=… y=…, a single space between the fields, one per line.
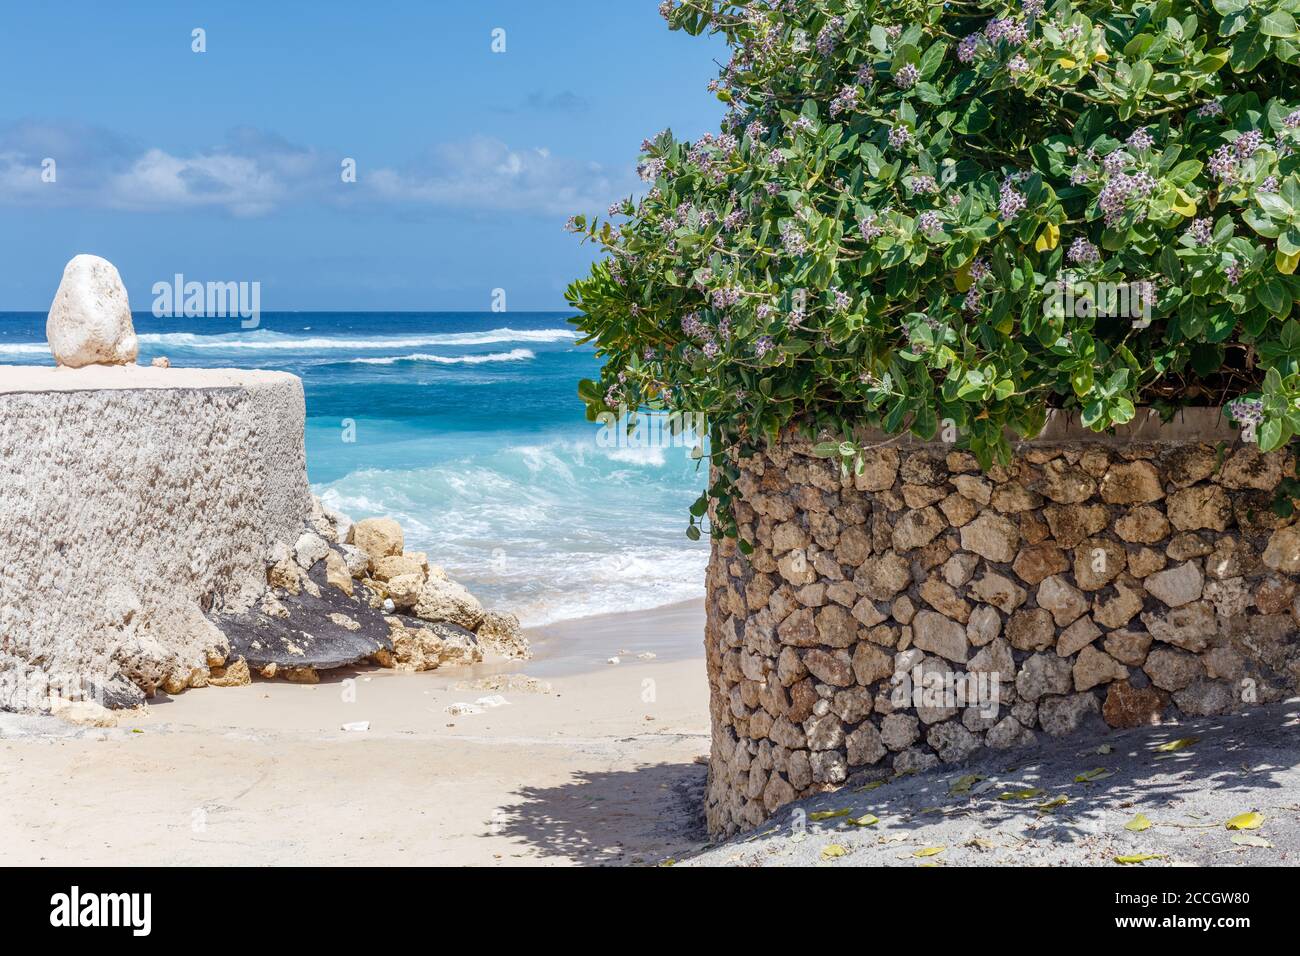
x=467 y=429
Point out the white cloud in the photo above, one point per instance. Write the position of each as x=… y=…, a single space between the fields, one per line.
x=254 y=173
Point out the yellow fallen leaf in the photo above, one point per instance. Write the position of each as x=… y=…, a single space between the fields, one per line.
x=829 y=814
x=873 y=785
x=1051 y=805
x=1138 y=823
x=1178 y=744
x=669 y=862
x=1245 y=839
x=930 y=851
x=1101 y=773
x=832 y=851
x=866 y=820
x=964 y=784
x=1246 y=821
x=1139 y=858
x=1026 y=794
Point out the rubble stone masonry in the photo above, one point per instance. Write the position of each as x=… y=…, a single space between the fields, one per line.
x=920 y=609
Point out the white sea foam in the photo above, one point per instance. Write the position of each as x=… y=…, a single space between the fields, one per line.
x=514 y=355
x=263 y=340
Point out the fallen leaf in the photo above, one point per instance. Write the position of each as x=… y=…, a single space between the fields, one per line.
x=873 y=785
x=866 y=820
x=1138 y=823
x=1246 y=839
x=829 y=814
x=1246 y=821
x=832 y=851
x=930 y=851
x=1178 y=744
x=1051 y=805
x=1139 y=858
x=964 y=784
x=1101 y=773
x=1026 y=794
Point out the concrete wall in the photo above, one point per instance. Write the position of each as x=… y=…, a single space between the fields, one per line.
x=132 y=500
x=922 y=609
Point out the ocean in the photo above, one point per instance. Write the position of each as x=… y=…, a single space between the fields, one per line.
x=466 y=428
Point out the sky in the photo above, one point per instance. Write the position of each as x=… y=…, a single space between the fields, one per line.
x=227 y=165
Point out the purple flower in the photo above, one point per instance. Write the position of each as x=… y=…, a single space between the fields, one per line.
x=969 y=46
x=867 y=226
x=763 y=345
x=866 y=74
x=1141 y=138
x=1248 y=143
x=803 y=125
x=1212 y=108
x=906 y=78
x=924 y=184
x=1202 y=231
x=1083 y=252
x=900 y=137
x=1011 y=202
x=973 y=301
x=1234 y=272
x=979 y=269
x=829 y=36
x=1032 y=8
x=843 y=301
x=849 y=98
x=1292 y=120
x=1018 y=64
x=1269 y=185
x=793 y=240
x=929 y=223
x=1223 y=164
x=1246 y=411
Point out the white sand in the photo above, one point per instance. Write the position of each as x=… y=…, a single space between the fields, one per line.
x=604 y=769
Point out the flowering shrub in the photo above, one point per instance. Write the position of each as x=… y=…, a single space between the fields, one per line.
x=917 y=215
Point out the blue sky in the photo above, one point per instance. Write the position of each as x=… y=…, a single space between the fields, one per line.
x=225 y=165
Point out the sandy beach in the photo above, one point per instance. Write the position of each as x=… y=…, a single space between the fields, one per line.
x=603 y=769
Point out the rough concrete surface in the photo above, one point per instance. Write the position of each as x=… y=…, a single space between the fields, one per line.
x=132 y=501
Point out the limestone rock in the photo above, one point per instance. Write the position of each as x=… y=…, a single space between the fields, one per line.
x=1043 y=674
x=1143 y=525
x=1036 y=562
x=1130 y=483
x=1248 y=467
x=1097 y=562
x=377 y=537
x=1171 y=669
x=394 y=565
x=1063 y=600
x=1117 y=611
x=1190 y=627
x=89 y=322
x=940 y=635
x=1061 y=716
x=916 y=529
x=1129 y=706
x=1200 y=506
x=1009 y=733
x=984 y=625
x=1077 y=636
x=443 y=600
x=501 y=635
x=865 y=746
x=871 y=664
x=992 y=537
x=883 y=576
x=1093 y=667
x=880 y=468
x=1128 y=647
x=953 y=741
x=998 y=590
x=900 y=731
x=1065 y=484
x=830 y=667
x=1205 y=698
x=1031 y=629
x=1178 y=585
x=1283 y=551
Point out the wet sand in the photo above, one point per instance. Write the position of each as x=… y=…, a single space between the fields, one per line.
x=603 y=769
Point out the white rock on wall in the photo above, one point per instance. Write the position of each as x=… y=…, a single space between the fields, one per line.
x=90 y=320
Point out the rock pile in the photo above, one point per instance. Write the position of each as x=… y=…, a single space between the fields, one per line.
x=343 y=594
x=1085 y=584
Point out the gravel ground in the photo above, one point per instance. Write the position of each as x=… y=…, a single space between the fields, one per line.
x=1238 y=764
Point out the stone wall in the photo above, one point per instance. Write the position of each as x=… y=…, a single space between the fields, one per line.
x=133 y=502
x=915 y=612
